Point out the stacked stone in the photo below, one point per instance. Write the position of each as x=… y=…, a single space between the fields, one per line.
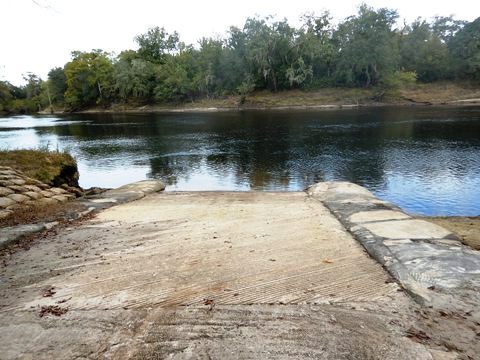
x=18 y=190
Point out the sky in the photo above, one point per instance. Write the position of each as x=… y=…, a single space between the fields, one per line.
x=37 y=35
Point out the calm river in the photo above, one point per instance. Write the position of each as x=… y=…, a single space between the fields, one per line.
x=426 y=160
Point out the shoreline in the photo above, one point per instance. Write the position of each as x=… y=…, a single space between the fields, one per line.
x=152 y=109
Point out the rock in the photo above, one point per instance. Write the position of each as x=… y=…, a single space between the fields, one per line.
x=95 y=191
x=377 y=215
x=33 y=195
x=19 y=198
x=75 y=191
x=5 y=213
x=41 y=185
x=407 y=229
x=47 y=201
x=5 y=191
x=61 y=198
x=5 y=202
x=32 y=188
x=14 y=207
x=8 y=172
x=6 y=183
x=51 y=225
x=47 y=193
x=17 y=188
x=57 y=191
x=18 y=181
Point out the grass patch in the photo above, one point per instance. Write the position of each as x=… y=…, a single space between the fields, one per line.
x=43 y=165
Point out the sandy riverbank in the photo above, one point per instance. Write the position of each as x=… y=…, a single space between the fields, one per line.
x=465 y=227
x=438 y=94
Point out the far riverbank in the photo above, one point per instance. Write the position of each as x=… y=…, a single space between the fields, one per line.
x=444 y=94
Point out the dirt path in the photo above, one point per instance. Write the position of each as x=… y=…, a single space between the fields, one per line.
x=207 y=275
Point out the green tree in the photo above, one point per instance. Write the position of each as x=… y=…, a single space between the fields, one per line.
x=316 y=46
x=424 y=52
x=368 y=47
x=57 y=85
x=209 y=58
x=465 y=50
x=89 y=79
x=445 y=27
x=33 y=85
x=270 y=50
x=156 y=44
x=176 y=78
x=134 y=78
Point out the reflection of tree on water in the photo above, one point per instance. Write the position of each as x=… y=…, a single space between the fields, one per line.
x=279 y=150
x=274 y=151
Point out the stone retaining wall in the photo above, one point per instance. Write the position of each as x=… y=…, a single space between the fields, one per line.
x=18 y=190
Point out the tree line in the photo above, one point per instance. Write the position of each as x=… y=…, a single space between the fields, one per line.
x=367 y=49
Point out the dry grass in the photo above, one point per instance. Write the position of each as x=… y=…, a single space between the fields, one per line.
x=38 y=213
x=41 y=165
x=441 y=92
x=433 y=93
x=327 y=96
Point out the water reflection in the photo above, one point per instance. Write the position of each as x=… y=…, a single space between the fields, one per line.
x=426 y=160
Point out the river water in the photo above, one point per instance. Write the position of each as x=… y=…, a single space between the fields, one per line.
x=424 y=159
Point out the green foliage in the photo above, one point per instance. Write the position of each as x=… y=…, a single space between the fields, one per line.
x=364 y=50
x=465 y=49
x=367 y=47
x=22 y=100
x=156 y=43
x=89 y=79
x=391 y=84
x=57 y=85
x=174 y=84
x=134 y=78
x=316 y=46
x=423 y=51
x=245 y=88
x=399 y=79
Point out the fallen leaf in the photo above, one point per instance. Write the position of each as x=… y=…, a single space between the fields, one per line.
x=52 y=309
x=48 y=292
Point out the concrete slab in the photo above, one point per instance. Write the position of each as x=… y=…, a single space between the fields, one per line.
x=407 y=229
x=252 y=275
x=426 y=259
x=378 y=215
x=235 y=248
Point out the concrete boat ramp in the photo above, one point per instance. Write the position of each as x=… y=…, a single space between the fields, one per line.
x=330 y=273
